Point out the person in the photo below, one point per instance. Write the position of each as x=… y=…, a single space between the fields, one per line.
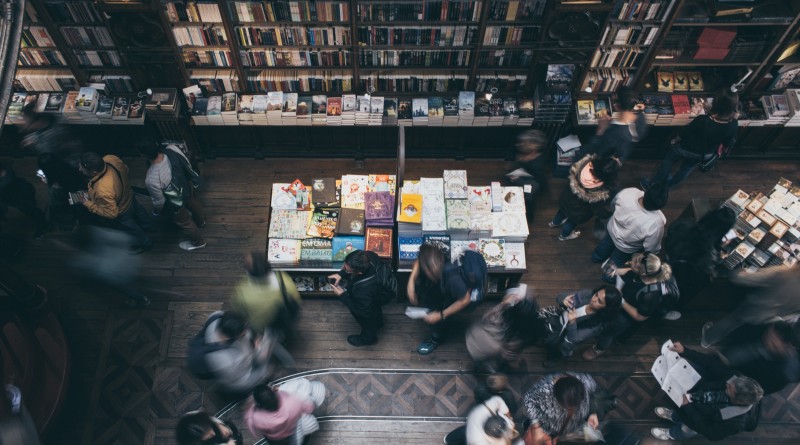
x=441 y=287
x=771 y=358
x=581 y=316
x=111 y=198
x=636 y=225
x=700 y=140
x=265 y=298
x=531 y=164
x=20 y=194
x=720 y=405
x=586 y=195
x=616 y=137
x=501 y=333
x=16 y=424
x=694 y=249
x=285 y=412
x=174 y=194
x=492 y=399
x=61 y=179
x=46 y=133
x=774 y=293
x=201 y=428
x=563 y=403
x=358 y=289
x=648 y=290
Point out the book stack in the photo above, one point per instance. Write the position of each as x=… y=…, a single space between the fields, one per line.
x=349 y=109
x=274 y=108
x=379 y=209
x=510 y=111
x=214 y=110
x=389 y=111
x=289 y=111
x=319 y=109
x=480 y=211
x=228 y=112
x=244 y=109
x=650 y=102
x=450 y=105
x=481 y=111
x=409 y=219
x=303 y=112
x=793 y=100
x=404 y=107
x=665 y=112
x=527 y=112
x=375 y=111
x=435 y=111
x=420 y=111
x=777 y=108
x=162 y=99
x=567 y=149
x=199 y=111
x=434 y=213
x=714 y=43
x=260 y=109
x=316 y=251
x=496 y=112
x=511 y=223
x=351 y=222
x=456 y=193
x=379 y=241
x=334 y=114
x=103 y=110
x=120 y=111
x=363 y=104
x=466 y=108
x=86 y=103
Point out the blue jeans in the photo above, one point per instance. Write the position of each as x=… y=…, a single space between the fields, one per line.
x=568 y=226
x=675 y=155
x=679 y=431
x=135 y=221
x=606 y=249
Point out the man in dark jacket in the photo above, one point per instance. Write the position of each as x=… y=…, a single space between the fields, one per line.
x=357 y=287
x=720 y=405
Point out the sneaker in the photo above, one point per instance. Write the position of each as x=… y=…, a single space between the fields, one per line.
x=358 y=340
x=663 y=413
x=672 y=315
x=661 y=433
x=572 y=235
x=190 y=246
x=427 y=347
x=553 y=225
x=644 y=183
x=703 y=341
x=592 y=353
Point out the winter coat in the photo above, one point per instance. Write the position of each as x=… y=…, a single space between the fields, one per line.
x=242 y=365
x=110 y=190
x=580 y=204
x=361 y=294
x=541 y=404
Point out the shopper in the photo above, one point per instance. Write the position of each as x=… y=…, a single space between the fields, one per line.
x=700 y=140
x=590 y=188
x=201 y=428
x=46 y=133
x=616 y=137
x=769 y=355
x=285 y=412
x=530 y=168
x=266 y=298
x=20 y=194
x=62 y=179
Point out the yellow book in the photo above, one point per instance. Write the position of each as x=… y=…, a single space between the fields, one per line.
x=410 y=208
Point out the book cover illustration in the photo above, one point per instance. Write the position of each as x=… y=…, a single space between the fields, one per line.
x=351 y=222
x=353 y=188
x=376 y=105
x=378 y=205
x=466 y=102
x=457 y=214
x=379 y=240
x=334 y=106
x=363 y=104
x=319 y=104
x=457 y=247
x=420 y=107
x=408 y=247
x=404 y=109
x=585 y=111
x=344 y=245
x=136 y=109
x=455 y=184
x=121 y=107
x=104 y=106
x=481 y=221
x=323 y=192
x=681 y=81
x=493 y=251
x=245 y=105
x=601 y=109
x=302 y=196
x=496 y=106
x=229 y=103
x=481 y=106
x=56 y=101
x=450 y=105
x=509 y=224
x=304 y=106
x=515 y=255
x=480 y=199
x=513 y=199
x=214 y=106
x=283 y=251
x=316 y=249
x=435 y=107
x=348 y=103
x=510 y=107
x=274 y=101
x=410 y=208
x=290 y=103
x=200 y=107
x=282 y=197
x=381 y=183
x=441 y=242
x=389 y=107
x=323 y=223
x=259 y=103
x=666 y=82
x=288 y=224
x=696 y=81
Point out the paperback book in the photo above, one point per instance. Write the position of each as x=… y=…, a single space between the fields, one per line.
x=323 y=223
x=344 y=245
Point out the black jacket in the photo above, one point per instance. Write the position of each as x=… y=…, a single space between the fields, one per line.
x=581 y=204
x=361 y=294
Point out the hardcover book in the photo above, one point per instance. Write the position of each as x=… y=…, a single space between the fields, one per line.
x=493 y=251
x=480 y=198
x=455 y=184
x=379 y=240
x=353 y=188
x=408 y=247
x=585 y=110
x=344 y=245
x=323 y=223
x=316 y=249
x=509 y=224
x=410 y=208
x=283 y=251
x=696 y=81
x=136 y=109
x=681 y=81
x=86 y=99
x=601 y=109
x=513 y=199
x=288 y=224
x=378 y=206
x=666 y=82
x=351 y=222
x=323 y=192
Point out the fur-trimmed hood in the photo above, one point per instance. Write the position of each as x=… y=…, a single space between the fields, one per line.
x=599 y=194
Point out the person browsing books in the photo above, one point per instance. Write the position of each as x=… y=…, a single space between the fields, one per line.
x=531 y=164
x=616 y=137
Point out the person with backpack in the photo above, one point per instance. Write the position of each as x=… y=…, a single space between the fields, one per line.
x=445 y=289
x=171 y=182
x=266 y=298
x=720 y=405
x=361 y=288
x=201 y=428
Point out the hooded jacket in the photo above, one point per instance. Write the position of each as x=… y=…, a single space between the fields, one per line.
x=110 y=191
x=579 y=203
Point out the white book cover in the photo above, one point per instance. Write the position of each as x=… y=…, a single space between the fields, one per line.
x=283 y=251
x=432 y=187
x=480 y=221
x=497 y=197
x=515 y=255
x=509 y=224
x=352 y=192
x=282 y=197
x=455 y=184
x=457 y=214
x=674 y=374
x=480 y=198
x=411 y=186
x=513 y=199
x=434 y=214
x=275 y=101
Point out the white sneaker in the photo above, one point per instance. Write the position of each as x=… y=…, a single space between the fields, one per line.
x=672 y=315
x=663 y=413
x=572 y=235
x=190 y=246
x=703 y=342
x=661 y=433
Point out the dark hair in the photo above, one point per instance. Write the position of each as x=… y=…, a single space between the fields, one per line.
x=232 y=324
x=256 y=264
x=656 y=196
x=149 y=148
x=606 y=169
x=627 y=98
x=193 y=426
x=266 y=398
x=714 y=225
x=358 y=261
x=29 y=112
x=495 y=426
x=92 y=162
x=518 y=319
x=569 y=392
x=725 y=104
x=431 y=262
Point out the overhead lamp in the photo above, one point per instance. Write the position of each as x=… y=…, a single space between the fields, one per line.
x=492 y=92
x=589 y=88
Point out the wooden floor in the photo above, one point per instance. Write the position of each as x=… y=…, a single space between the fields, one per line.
x=128 y=384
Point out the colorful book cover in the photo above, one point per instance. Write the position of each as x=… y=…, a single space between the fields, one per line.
x=601 y=109
x=351 y=222
x=404 y=109
x=288 y=224
x=466 y=102
x=323 y=223
x=389 y=107
x=316 y=249
x=283 y=251
x=379 y=240
x=493 y=251
x=480 y=198
x=275 y=101
x=696 y=81
x=681 y=81
x=282 y=197
x=353 y=188
x=323 y=192
x=435 y=107
x=378 y=205
x=319 y=104
x=344 y=245
x=334 y=106
x=381 y=183
x=304 y=106
x=408 y=247
x=410 y=208
x=585 y=111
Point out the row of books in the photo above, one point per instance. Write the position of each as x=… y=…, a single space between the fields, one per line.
x=86 y=106
x=422 y=11
x=510 y=35
x=357 y=192
x=296 y=57
x=417 y=35
x=45 y=80
x=219 y=58
x=215 y=80
x=498 y=252
x=604 y=80
x=617 y=57
x=669 y=81
x=292 y=81
x=208 y=35
x=98 y=58
x=87 y=36
x=291 y=11
x=637 y=35
x=320 y=251
x=192 y=12
x=641 y=9
x=767 y=227
x=72 y=12
x=35 y=36
x=294 y=35
x=40 y=57
x=504 y=58
x=411 y=82
x=517 y=10
x=404 y=58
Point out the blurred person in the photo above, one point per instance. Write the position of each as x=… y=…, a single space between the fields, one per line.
x=636 y=225
x=20 y=194
x=285 y=412
x=61 y=179
x=771 y=358
x=46 y=133
x=359 y=288
x=16 y=424
x=488 y=423
x=700 y=140
x=201 y=428
x=773 y=293
x=720 y=405
x=616 y=137
x=266 y=298
x=591 y=186
x=531 y=164
x=171 y=182
x=104 y=260
x=110 y=197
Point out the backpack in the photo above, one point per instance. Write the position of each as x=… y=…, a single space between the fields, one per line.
x=668 y=290
x=182 y=174
x=387 y=282
x=753 y=416
x=198 y=348
x=474 y=271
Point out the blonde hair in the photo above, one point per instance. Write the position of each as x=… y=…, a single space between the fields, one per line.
x=649 y=265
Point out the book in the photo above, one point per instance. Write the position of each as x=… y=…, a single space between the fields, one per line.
x=515 y=255
x=344 y=245
x=104 y=106
x=352 y=191
x=323 y=223
x=381 y=183
x=408 y=247
x=696 y=81
x=457 y=214
x=288 y=224
x=303 y=283
x=602 y=109
x=513 y=199
x=455 y=184
x=316 y=249
x=681 y=81
x=480 y=199
x=379 y=240
x=509 y=224
x=302 y=198
x=121 y=107
x=282 y=197
x=666 y=82
x=351 y=222
x=492 y=250
x=55 y=102
x=585 y=112
x=378 y=206
x=162 y=99
x=410 y=208
x=86 y=101
x=136 y=110
x=457 y=247
x=674 y=374
x=323 y=192
x=441 y=242
x=283 y=251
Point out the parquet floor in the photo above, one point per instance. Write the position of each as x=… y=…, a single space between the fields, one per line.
x=128 y=385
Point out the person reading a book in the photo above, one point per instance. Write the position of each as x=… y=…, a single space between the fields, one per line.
x=616 y=137
x=358 y=288
x=531 y=165
x=720 y=405
x=700 y=140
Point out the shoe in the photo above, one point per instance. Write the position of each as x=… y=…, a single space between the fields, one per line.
x=663 y=413
x=553 y=225
x=703 y=342
x=572 y=235
x=553 y=362
x=644 y=183
x=427 y=347
x=136 y=250
x=190 y=246
x=672 y=315
x=357 y=340
x=592 y=353
x=144 y=302
x=661 y=433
